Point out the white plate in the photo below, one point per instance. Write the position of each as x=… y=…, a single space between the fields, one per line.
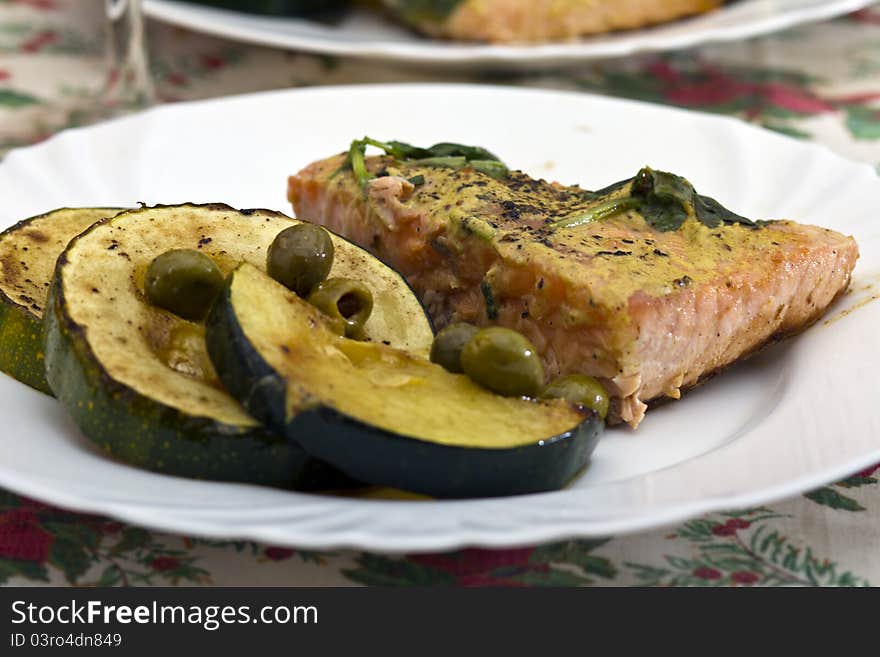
x=797 y=417
x=369 y=34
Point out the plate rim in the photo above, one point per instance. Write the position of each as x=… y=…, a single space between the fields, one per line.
x=642 y=40
x=202 y=527
x=206 y=524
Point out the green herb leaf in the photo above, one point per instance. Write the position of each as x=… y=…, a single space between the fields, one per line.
x=673 y=188
x=454 y=156
x=669 y=199
x=597 y=212
x=356 y=156
x=610 y=189
x=459 y=150
x=664 y=199
x=712 y=214
x=663 y=215
x=643 y=182
x=417 y=180
x=400 y=150
x=491 y=307
x=492 y=168
x=661 y=192
x=457 y=162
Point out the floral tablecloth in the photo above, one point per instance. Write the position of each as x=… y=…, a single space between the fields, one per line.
x=819 y=82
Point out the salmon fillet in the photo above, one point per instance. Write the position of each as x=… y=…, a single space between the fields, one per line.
x=649 y=312
x=508 y=21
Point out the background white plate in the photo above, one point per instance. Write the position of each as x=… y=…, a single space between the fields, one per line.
x=798 y=416
x=369 y=34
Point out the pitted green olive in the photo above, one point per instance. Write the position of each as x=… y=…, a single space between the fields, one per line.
x=348 y=303
x=449 y=343
x=183 y=281
x=503 y=361
x=300 y=257
x=579 y=389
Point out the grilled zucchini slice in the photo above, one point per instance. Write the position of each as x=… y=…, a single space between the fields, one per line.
x=137 y=379
x=382 y=415
x=28 y=251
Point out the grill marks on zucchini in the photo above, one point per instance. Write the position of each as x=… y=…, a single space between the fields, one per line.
x=28 y=251
x=137 y=379
x=382 y=415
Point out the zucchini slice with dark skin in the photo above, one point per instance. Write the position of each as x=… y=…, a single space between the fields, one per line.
x=381 y=415
x=28 y=251
x=137 y=379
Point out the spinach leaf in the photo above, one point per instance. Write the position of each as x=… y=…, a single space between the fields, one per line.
x=610 y=189
x=712 y=214
x=470 y=153
x=663 y=186
x=494 y=168
x=453 y=156
x=662 y=214
x=664 y=199
x=673 y=188
x=356 y=158
x=447 y=162
x=400 y=150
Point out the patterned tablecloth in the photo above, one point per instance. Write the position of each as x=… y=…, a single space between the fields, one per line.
x=819 y=82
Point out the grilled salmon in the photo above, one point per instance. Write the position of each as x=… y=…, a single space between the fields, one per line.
x=507 y=21
x=650 y=299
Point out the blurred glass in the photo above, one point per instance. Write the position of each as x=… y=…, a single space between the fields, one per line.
x=128 y=85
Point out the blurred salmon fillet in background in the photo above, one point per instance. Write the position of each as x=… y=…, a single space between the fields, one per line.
x=511 y=21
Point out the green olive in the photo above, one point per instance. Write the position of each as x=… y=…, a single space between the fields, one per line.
x=183 y=281
x=346 y=302
x=579 y=389
x=447 y=346
x=300 y=257
x=503 y=361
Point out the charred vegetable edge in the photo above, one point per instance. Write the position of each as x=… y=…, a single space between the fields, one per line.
x=21 y=342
